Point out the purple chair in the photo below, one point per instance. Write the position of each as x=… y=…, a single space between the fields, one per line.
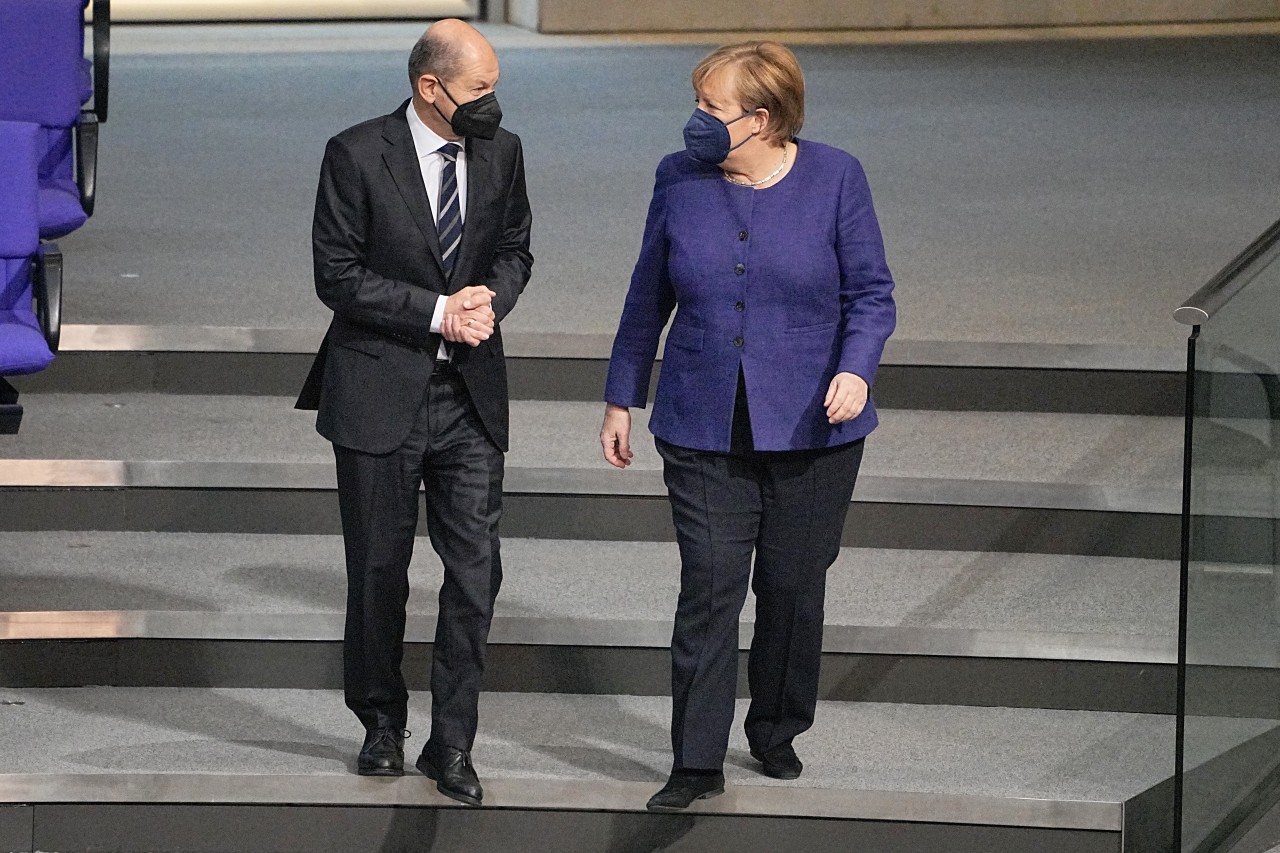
x=30 y=272
x=45 y=79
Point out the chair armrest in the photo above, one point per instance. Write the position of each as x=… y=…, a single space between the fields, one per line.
x=101 y=57
x=87 y=159
x=46 y=274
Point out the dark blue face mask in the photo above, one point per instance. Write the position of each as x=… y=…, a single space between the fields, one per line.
x=706 y=137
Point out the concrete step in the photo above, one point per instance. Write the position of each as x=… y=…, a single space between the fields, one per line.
x=588 y=581
x=915 y=374
x=127 y=765
x=1097 y=450
x=1085 y=484
x=183 y=609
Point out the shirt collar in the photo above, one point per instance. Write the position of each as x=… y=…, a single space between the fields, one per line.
x=426 y=140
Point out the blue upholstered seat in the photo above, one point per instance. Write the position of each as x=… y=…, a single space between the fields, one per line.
x=24 y=345
x=30 y=282
x=46 y=79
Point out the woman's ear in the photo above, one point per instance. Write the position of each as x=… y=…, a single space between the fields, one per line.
x=761 y=121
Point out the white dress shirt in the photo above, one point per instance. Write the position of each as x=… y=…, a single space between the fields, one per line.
x=427 y=143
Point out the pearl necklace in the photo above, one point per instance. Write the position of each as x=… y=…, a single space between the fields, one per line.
x=766 y=180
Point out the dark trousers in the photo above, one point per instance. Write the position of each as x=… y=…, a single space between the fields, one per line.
x=789 y=508
x=448 y=450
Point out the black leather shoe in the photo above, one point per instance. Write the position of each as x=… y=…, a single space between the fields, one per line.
x=452 y=771
x=683 y=788
x=780 y=762
x=382 y=753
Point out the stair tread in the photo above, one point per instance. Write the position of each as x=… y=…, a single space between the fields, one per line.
x=995 y=752
x=1108 y=451
x=268 y=574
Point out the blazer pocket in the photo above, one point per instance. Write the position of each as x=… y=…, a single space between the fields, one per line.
x=685 y=337
x=465 y=355
x=811 y=330
x=368 y=347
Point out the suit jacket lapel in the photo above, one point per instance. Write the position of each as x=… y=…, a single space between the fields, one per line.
x=401 y=159
x=482 y=188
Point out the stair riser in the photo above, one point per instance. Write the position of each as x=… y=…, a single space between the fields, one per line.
x=282 y=829
x=317 y=665
x=602 y=518
x=898 y=386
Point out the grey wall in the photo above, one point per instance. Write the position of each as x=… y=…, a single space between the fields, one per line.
x=560 y=16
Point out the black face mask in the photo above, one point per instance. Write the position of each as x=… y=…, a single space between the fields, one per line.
x=479 y=118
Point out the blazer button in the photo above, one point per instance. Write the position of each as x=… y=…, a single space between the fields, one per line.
x=742 y=235
x=737 y=342
x=738 y=306
x=740 y=269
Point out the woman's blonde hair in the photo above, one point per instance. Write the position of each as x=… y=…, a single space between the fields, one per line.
x=768 y=76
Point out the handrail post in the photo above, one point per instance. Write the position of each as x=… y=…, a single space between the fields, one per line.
x=1184 y=577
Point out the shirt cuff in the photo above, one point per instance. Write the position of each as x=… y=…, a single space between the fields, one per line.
x=437 y=316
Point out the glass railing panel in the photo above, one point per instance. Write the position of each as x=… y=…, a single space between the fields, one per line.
x=1231 y=680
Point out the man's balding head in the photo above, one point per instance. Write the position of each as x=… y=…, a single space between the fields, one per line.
x=452 y=64
x=446 y=47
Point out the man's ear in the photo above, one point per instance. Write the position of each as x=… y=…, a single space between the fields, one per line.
x=427 y=88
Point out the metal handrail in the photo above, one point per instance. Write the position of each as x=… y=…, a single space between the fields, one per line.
x=1206 y=301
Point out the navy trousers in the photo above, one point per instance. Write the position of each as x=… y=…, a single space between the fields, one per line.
x=448 y=450
x=789 y=509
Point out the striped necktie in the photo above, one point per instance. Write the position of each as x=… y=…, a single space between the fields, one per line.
x=449 y=220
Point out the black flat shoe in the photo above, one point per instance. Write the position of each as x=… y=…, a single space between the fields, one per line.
x=382 y=753
x=683 y=788
x=780 y=762
x=453 y=774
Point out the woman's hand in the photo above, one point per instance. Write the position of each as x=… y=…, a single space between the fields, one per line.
x=615 y=435
x=846 y=397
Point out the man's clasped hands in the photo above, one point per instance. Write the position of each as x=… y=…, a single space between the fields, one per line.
x=468 y=316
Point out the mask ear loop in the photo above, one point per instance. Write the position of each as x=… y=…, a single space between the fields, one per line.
x=733 y=148
x=440 y=83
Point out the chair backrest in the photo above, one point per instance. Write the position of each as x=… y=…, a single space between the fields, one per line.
x=23 y=349
x=42 y=66
x=21 y=146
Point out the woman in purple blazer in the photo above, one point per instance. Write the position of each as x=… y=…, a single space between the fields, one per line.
x=766 y=246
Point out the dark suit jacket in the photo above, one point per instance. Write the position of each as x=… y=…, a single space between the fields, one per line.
x=378 y=267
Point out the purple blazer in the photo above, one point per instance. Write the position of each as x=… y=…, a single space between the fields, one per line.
x=789 y=282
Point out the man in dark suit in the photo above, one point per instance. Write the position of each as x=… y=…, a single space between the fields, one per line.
x=421 y=248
